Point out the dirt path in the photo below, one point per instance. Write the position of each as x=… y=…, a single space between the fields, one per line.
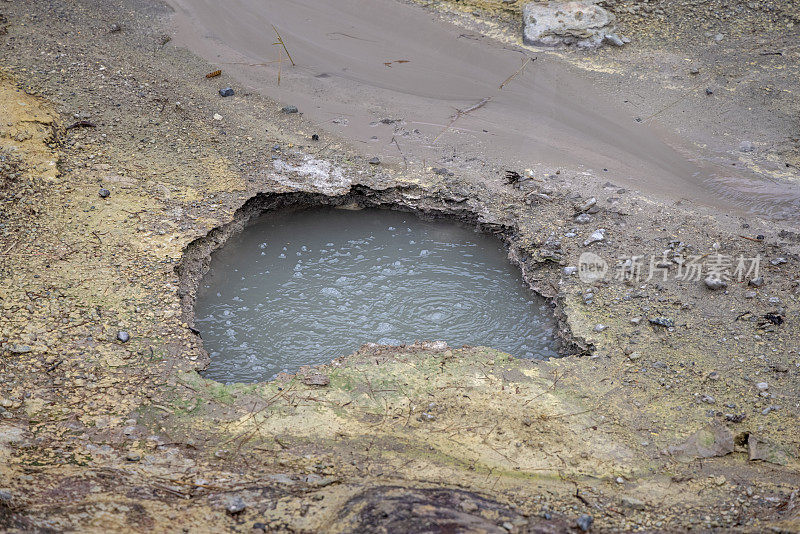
x=359 y=62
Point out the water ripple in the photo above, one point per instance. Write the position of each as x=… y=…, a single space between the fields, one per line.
x=300 y=288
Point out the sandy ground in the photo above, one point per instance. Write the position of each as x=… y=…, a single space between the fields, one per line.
x=361 y=62
x=643 y=426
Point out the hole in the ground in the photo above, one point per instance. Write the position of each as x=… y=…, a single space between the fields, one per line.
x=302 y=286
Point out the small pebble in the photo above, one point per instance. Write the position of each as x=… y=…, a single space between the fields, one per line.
x=123 y=336
x=584 y=522
x=375 y=161
x=289 y=109
x=104 y=193
x=226 y=92
x=746 y=146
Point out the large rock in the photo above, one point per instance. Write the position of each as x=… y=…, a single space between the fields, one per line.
x=765 y=450
x=581 y=23
x=715 y=439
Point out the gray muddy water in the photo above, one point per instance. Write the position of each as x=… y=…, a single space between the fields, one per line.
x=302 y=287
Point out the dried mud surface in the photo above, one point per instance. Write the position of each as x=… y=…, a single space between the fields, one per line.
x=101 y=435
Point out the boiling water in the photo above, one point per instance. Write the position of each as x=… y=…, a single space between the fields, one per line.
x=302 y=287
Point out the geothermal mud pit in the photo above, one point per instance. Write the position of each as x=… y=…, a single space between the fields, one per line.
x=300 y=287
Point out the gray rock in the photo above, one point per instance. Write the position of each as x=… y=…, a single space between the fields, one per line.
x=632 y=502
x=600 y=327
x=569 y=271
x=597 y=235
x=756 y=282
x=708 y=399
x=583 y=218
x=770 y=408
x=778 y=261
x=123 y=336
x=584 y=522
x=586 y=205
x=235 y=506
x=746 y=146
x=662 y=321
x=581 y=23
x=104 y=193
x=20 y=349
x=228 y=91
x=714 y=283
x=375 y=161
x=762 y=386
x=289 y=109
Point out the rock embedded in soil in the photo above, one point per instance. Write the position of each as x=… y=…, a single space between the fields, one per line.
x=585 y=522
x=227 y=91
x=123 y=336
x=104 y=193
x=714 y=283
x=289 y=109
x=596 y=236
x=666 y=322
x=762 y=449
x=235 y=506
x=580 y=23
x=713 y=440
x=316 y=379
x=746 y=146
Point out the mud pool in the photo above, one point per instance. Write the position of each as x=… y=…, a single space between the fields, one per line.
x=302 y=287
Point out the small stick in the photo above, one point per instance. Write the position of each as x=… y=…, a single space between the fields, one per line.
x=460 y=112
x=752 y=239
x=81 y=124
x=524 y=64
x=280 y=42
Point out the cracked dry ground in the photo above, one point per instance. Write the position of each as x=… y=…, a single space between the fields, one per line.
x=96 y=434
